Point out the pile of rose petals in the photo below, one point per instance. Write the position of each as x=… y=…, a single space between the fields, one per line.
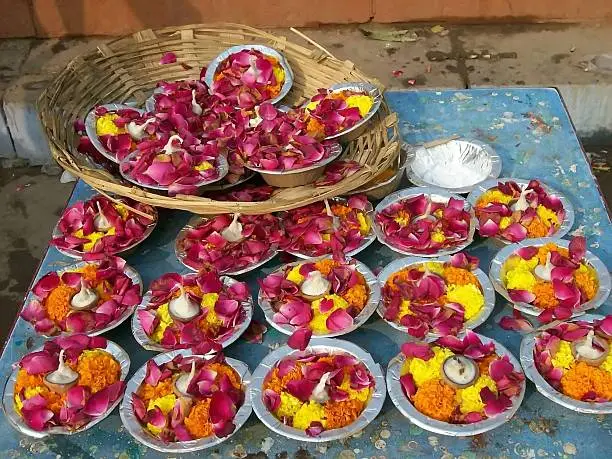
x=547 y=344
x=323 y=374
x=245 y=193
x=229 y=307
x=310 y=231
x=490 y=215
x=292 y=308
x=337 y=171
x=564 y=285
x=119 y=145
x=430 y=312
x=81 y=215
x=204 y=246
x=509 y=381
x=121 y=291
x=279 y=143
x=332 y=113
x=80 y=405
x=180 y=172
x=247 y=78
x=411 y=224
x=207 y=384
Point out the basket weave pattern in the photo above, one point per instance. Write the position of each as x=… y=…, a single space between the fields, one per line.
x=128 y=69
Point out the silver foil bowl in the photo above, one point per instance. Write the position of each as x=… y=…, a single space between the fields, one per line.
x=125 y=251
x=359 y=87
x=128 y=271
x=143 y=339
x=566 y=224
x=90 y=128
x=531 y=371
x=193 y=223
x=17 y=422
x=436 y=195
x=133 y=426
x=496 y=275
x=288 y=178
x=211 y=70
x=221 y=165
x=457 y=166
x=399 y=264
x=360 y=319
x=444 y=428
x=367 y=240
x=318 y=345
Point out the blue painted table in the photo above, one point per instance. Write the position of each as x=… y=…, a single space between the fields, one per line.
x=532 y=132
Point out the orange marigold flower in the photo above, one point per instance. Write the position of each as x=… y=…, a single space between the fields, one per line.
x=340 y=210
x=550 y=247
x=198 y=423
x=536 y=228
x=228 y=371
x=55 y=400
x=25 y=380
x=89 y=273
x=325 y=266
x=341 y=414
x=148 y=392
x=582 y=378
x=483 y=364
x=398 y=277
x=587 y=285
x=545 y=295
x=277 y=384
x=459 y=276
x=97 y=370
x=357 y=296
x=57 y=303
x=436 y=400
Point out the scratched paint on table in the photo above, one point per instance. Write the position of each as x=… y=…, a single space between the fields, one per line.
x=531 y=131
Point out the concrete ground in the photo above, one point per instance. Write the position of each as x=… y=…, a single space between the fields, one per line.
x=407 y=57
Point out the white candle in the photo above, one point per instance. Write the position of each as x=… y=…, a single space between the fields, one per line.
x=460 y=371
x=86 y=298
x=101 y=223
x=233 y=232
x=315 y=284
x=63 y=378
x=183 y=308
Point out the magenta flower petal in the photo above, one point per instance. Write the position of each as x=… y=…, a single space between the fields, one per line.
x=98 y=403
x=339 y=320
x=408 y=385
x=488 y=229
x=565 y=292
x=515 y=232
x=465 y=261
x=494 y=405
x=181 y=433
x=138 y=407
x=605 y=325
x=301 y=388
x=473 y=417
x=515 y=324
x=76 y=396
x=226 y=308
x=156 y=418
x=154 y=373
x=577 y=248
x=419 y=350
x=37 y=418
x=300 y=338
x=314 y=429
x=500 y=368
x=40 y=362
x=46 y=283
x=34 y=311
x=148 y=320
x=522 y=296
x=168 y=58
x=271 y=400
x=527 y=253
x=222 y=407
x=71 y=279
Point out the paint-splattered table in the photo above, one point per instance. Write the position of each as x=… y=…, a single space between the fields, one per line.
x=532 y=132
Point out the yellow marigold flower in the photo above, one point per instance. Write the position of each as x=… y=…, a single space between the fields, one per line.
x=93 y=237
x=505 y=222
x=493 y=196
x=402 y=218
x=563 y=358
x=307 y=414
x=164 y=322
x=362 y=102
x=438 y=236
x=289 y=405
x=548 y=217
x=422 y=370
x=404 y=309
x=121 y=210
x=469 y=296
x=469 y=398
x=607 y=364
x=319 y=319
x=294 y=275
x=203 y=166
x=433 y=267
x=519 y=279
x=362 y=395
x=105 y=125
x=364 y=223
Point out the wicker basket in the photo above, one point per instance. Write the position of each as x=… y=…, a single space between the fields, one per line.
x=128 y=68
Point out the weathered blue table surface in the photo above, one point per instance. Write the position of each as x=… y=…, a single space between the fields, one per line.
x=532 y=132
